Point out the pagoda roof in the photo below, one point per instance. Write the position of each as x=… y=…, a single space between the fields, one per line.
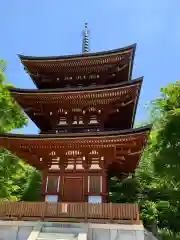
x=81 y=90
x=100 y=67
x=126 y=146
x=73 y=136
x=39 y=103
x=79 y=56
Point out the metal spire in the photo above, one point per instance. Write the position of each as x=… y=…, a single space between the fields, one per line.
x=85 y=45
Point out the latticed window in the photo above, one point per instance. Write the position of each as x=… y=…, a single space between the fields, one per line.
x=62 y=121
x=75 y=120
x=52 y=184
x=93 y=119
x=81 y=120
x=94 y=184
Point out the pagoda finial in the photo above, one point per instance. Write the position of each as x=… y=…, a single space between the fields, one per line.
x=85 y=46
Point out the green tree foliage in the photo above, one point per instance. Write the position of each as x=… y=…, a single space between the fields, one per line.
x=32 y=190
x=169 y=235
x=157 y=179
x=166 y=153
x=166 y=159
x=11 y=115
x=13 y=172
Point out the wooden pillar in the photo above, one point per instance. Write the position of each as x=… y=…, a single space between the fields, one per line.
x=108 y=159
x=86 y=167
x=69 y=120
x=86 y=121
x=103 y=117
x=105 y=189
x=62 y=170
x=44 y=181
x=60 y=193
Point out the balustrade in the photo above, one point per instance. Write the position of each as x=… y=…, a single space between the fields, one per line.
x=70 y=211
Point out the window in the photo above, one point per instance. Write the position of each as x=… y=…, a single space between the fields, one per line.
x=75 y=120
x=51 y=198
x=52 y=184
x=62 y=121
x=93 y=119
x=94 y=199
x=95 y=184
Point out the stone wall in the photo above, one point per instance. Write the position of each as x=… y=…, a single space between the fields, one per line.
x=21 y=230
x=14 y=232
x=115 y=232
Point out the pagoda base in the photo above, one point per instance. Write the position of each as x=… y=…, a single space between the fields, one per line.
x=33 y=230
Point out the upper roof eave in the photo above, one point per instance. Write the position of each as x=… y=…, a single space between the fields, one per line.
x=126 y=132
x=69 y=90
x=74 y=56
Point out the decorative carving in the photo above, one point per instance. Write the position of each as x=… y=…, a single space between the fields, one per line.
x=94 y=152
x=54 y=167
x=53 y=153
x=70 y=166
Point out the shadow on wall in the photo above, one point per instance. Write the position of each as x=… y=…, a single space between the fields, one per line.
x=149 y=236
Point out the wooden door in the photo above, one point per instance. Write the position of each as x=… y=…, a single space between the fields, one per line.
x=73 y=189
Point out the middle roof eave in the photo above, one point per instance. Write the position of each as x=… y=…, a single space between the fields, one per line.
x=77 y=90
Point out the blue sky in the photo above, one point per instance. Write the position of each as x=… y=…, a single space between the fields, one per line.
x=55 y=27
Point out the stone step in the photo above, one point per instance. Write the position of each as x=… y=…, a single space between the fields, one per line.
x=64 y=230
x=56 y=236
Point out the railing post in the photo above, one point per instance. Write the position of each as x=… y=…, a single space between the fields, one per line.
x=110 y=211
x=43 y=210
x=137 y=215
x=9 y=209
x=86 y=211
x=21 y=209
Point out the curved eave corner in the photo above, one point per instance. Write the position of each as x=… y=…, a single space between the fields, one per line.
x=132 y=63
x=136 y=103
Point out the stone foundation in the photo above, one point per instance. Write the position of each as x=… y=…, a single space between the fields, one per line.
x=22 y=230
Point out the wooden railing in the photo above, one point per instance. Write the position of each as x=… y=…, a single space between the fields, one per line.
x=70 y=211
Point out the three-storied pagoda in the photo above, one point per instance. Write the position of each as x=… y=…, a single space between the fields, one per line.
x=85 y=108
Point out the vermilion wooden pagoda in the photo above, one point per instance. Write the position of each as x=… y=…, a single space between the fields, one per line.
x=84 y=107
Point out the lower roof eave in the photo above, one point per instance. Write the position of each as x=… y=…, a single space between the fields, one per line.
x=140 y=130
